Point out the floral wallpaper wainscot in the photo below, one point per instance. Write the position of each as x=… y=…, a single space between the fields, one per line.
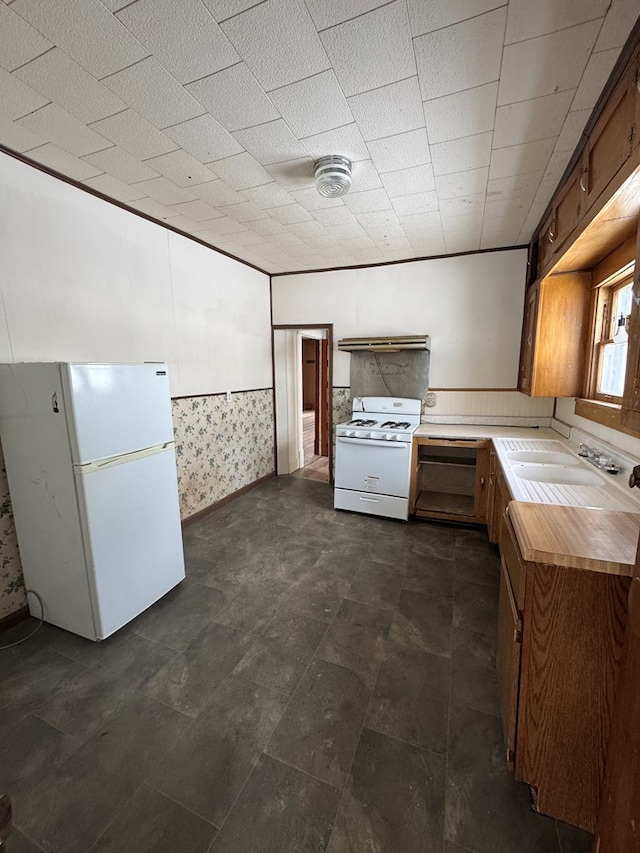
x=222 y=446
x=12 y=594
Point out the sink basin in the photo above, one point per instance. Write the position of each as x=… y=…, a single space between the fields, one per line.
x=543 y=457
x=562 y=475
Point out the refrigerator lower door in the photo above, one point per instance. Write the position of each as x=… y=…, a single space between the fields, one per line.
x=133 y=537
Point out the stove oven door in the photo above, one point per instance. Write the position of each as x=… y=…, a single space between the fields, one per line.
x=376 y=467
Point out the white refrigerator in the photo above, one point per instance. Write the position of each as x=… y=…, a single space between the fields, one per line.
x=90 y=458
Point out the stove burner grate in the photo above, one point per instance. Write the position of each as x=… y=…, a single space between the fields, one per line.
x=361 y=422
x=396 y=425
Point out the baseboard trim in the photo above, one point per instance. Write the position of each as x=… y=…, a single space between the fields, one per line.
x=13 y=618
x=203 y=513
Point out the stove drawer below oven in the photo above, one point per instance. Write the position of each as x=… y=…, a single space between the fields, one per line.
x=378 y=467
x=383 y=505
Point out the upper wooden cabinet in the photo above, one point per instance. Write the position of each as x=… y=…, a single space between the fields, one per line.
x=555 y=327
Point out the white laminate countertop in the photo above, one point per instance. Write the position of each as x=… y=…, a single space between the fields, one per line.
x=612 y=494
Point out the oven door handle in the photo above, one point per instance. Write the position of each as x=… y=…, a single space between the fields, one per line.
x=372 y=442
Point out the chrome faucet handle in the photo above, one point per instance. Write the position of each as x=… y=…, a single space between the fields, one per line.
x=583 y=450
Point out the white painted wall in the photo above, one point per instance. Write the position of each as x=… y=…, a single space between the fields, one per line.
x=81 y=279
x=471 y=306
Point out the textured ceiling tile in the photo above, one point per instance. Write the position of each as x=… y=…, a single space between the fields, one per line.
x=16 y=137
x=313 y=105
x=462 y=183
x=204 y=138
x=19 y=42
x=113 y=188
x=84 y=30
x=463 y=206
x=181 y=168
x=182 y=36
x=217 y=193
x=526 y=20
x=437 y=14
x=55 y=125
x=278 y=41
x=152 y=208
x=328 y=13
x=422 y=223
x=378 y=219
x=289 y=213
x=163 y=190
x=365 y=176
x=197 y=210
x=268 y=226
x=595 y=76
x=366 y=201
x=61 y=161
x=345 y=140
x=131 y=132
x=334 y=216
x=311 y=199
x=121 y=165
x=618 y=24
x=461 y=155
x=462 y=243
x=293 y=174
x=372 y=50
x=519 y=159
x=223 y=225
x=242 y=238
x=572 y=130
x=241 y=171
x=400 y=151
x=514 y=186
x=428 y=246
x=461 y=56
x=243 y=212
x=406 y=181
x=234 y=98
x=468 y=223
x=17 y=98
x=527 y=121
x=269 y=195
x=544 y=65
x=466 y=113
x=391 y=109
x=269 y=143
x=223 y=9
x=309 y=230
x=62 y=80
x=154 y=93
x=415 y=203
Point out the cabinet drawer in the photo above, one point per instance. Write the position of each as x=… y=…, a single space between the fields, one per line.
x=513 y=560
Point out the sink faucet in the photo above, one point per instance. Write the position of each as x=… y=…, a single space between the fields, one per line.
x=604 y=463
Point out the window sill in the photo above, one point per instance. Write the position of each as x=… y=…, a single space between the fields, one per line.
x=607 y=414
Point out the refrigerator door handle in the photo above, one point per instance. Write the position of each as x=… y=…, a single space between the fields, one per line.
x=88 y=467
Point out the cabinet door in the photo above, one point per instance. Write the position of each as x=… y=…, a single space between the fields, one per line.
x=528 y=339
x=546 y=239
x=508 y=662
x=635 y=86
x=610 y=141
x=491 y=499
x=630 y=413
x=567 y=209
x=482 y=483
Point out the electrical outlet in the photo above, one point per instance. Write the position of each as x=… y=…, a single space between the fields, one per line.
x=430 y=399
x=228 y=396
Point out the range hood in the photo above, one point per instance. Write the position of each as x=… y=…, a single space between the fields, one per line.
x=389 y=344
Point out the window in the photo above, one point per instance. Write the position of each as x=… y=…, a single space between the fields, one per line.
x=611 y=336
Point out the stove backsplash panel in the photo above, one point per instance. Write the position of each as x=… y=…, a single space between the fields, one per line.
x=390 y=374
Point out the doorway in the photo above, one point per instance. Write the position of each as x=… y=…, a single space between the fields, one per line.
x=302 y=381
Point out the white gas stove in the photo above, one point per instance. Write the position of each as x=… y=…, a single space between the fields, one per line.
x=373 y=456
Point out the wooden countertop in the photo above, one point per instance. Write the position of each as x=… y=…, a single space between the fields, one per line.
x=597 y=540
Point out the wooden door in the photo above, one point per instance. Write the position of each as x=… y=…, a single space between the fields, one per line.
x=619 y=817
x=630 y=414
x=528 y=338
x=508 y=662
x=609 y=144
x=482 y=481
x=323 y=400
x=309 y=385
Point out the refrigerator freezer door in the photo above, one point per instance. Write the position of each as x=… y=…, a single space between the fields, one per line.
x=133 y=538
x=115 y=409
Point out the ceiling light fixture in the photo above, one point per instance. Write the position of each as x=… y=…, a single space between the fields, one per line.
x=333 y=175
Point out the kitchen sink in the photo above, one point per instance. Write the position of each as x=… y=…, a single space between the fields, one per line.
x=544 y=457
x=562 y=475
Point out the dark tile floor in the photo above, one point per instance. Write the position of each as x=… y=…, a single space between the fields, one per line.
x=321 y=681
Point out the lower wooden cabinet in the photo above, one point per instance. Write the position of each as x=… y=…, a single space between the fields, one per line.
x=559 y=641
x=450 y=479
